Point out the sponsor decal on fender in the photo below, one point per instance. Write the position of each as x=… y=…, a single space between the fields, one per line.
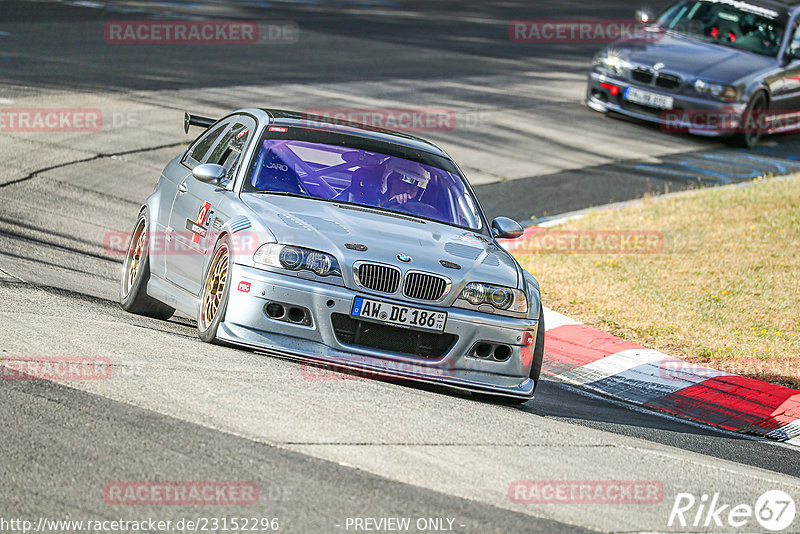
x=202 y=215
x=196 y=229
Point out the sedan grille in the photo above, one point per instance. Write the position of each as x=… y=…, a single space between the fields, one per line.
x=422 y=286
x=642 y=75
x=376 y=277
x=668 y=81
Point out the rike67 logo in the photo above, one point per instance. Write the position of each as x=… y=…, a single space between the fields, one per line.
x=774 y=510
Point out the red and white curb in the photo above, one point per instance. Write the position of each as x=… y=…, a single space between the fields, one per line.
x=600 y=362
x=584 y=356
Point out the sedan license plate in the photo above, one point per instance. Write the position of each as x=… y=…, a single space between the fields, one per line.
x=646 y=98
x=398 y=315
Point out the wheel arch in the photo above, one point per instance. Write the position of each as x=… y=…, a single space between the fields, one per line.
x=152 y=205
x=761 y=89
x=222 y=235
x=534 y=294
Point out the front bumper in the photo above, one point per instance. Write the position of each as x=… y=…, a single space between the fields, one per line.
x=247 y=323
x=689 y=114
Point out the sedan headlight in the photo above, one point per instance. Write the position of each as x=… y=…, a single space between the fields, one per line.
x=611 y=63
x=297 y=259
x=723 y=92
x=502 y=299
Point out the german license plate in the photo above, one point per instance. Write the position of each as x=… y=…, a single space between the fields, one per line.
x=398 y=315
x=646 y=98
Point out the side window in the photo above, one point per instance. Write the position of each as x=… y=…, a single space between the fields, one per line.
x=201 y=147
x=228 y=150
x=794 y=45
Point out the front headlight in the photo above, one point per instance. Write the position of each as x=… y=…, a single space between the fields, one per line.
x=611 y=63
x=502 y=299
x=297 y=259
x=717 y=90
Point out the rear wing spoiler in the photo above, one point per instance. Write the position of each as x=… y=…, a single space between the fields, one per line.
x=196 y=120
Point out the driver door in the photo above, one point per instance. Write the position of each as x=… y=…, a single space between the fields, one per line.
x=786 y=96
x=199 y=208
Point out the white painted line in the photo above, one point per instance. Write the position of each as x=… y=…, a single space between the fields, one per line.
x=612 y=365
x=85 y=3
x=554 y=320
x=794 y=442
x=640 y=375
x=680 y=370
x=786 y=431
x=549 y=223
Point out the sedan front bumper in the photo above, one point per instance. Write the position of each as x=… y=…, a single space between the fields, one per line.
x=315 y=338
x=693 y=115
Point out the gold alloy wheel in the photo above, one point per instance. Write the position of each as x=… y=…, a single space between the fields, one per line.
x=133 y=260
x=214 y=287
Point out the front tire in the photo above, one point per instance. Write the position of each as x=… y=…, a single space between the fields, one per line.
x=752 y=119
x=216 y=288
x=133 y=295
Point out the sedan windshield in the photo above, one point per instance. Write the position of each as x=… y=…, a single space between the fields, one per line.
x=729 y=23
x=366 y=178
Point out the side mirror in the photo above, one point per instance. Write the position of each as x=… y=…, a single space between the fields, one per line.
x=505 y=228
x=210 y=173
x=645 y=16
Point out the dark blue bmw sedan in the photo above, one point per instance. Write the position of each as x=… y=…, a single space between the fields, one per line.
x=709 y=67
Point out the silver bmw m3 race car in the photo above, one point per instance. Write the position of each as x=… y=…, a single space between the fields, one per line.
x=333 y=242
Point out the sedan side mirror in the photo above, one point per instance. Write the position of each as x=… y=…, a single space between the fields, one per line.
x=505 y=228
x=210 y=173
x=645 y=16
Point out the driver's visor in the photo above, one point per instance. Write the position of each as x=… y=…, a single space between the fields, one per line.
x=417 y=181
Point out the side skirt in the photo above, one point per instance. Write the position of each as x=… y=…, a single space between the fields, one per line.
x=172 y=295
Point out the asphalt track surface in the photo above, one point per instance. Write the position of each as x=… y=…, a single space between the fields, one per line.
x=320 y=451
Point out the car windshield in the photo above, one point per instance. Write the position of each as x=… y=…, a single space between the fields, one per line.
x=366 y=178
x=729 y=23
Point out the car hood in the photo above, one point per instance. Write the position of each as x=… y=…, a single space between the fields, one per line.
x=692 y=58
x=329 y=226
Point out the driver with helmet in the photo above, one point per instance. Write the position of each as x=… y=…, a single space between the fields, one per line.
x=405 y=181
